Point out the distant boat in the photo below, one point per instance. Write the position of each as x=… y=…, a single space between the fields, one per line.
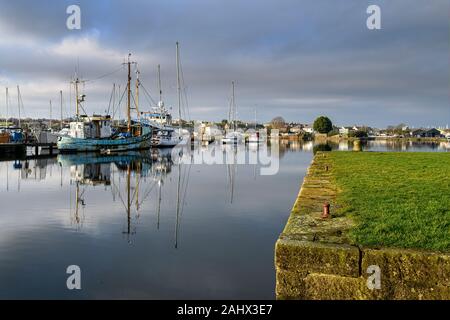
x=255 y=137
x=95 y=134
x=233 y=136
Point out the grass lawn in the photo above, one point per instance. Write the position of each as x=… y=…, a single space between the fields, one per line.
x=397 y=199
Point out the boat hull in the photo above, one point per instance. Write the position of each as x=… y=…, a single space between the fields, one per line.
x=71 y=145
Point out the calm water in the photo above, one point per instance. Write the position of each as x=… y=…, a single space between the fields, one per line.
x=145 y=226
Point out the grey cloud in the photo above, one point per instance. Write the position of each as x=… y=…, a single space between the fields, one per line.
x=297 y=59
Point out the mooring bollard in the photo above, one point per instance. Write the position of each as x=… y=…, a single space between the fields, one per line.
x=326 y=210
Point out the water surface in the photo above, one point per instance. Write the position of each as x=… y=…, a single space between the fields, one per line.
x=142 y=225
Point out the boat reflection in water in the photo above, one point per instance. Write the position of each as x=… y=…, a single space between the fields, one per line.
x=131 y=177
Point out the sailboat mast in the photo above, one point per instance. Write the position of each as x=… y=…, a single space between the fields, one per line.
x=159 y=83
x=18 y=102
x=7 y=107
x=61 y=107
x=129 y=94
x=233 y=106
x=178 y=82
x=50 y=124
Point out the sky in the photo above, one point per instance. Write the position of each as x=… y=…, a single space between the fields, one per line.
x=291 y=58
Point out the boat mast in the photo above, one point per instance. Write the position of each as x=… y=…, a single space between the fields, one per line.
x=77 y=101
x=159 y=83
x=137 y=90
x=7 y=108
x=178 y=82
x=18 y=102
x=129 y=94
x=233 y=107
x=61 y=107
x=160 y=103
x=50 y=124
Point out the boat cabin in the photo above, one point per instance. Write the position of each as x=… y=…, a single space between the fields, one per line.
x=158 y=115
x=91 y=127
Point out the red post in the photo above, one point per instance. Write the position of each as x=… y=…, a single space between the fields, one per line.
x=326 y=210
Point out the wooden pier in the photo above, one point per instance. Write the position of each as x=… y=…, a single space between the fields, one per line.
x=50 y=146
x=12 y=151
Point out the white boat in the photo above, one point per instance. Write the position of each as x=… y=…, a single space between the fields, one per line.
x=166 y=135
x=232 y=136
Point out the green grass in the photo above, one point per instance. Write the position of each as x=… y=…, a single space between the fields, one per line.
x=397 y=199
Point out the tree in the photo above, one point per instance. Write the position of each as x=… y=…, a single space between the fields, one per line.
x=323 y=125
x=277 y=123
x=358 y=134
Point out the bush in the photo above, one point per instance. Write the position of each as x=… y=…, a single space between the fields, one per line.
x=358 y=134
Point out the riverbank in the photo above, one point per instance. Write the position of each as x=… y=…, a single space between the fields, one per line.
x=385 y=212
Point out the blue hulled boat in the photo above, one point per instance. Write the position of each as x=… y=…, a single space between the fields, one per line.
x=95 y=133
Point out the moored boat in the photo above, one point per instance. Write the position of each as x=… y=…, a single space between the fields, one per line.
x=95 y=134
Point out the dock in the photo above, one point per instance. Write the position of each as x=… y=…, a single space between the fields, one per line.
x=13 y=151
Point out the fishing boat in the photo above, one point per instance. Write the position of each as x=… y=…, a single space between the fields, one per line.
x=95 y=134
x=232 y=136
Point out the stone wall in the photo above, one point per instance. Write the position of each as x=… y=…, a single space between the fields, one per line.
x=314 y=259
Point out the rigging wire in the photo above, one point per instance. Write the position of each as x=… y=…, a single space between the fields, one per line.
x=111 y=98
x=105 y=75
x=146 y=92
x=120 y=100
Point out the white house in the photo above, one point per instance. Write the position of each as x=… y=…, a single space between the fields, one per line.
x=307 y=128
x=345 y=130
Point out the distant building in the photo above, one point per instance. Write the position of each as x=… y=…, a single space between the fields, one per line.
x=308 y=129
x=296 y=129
x=345 y=130
x=426 y=133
